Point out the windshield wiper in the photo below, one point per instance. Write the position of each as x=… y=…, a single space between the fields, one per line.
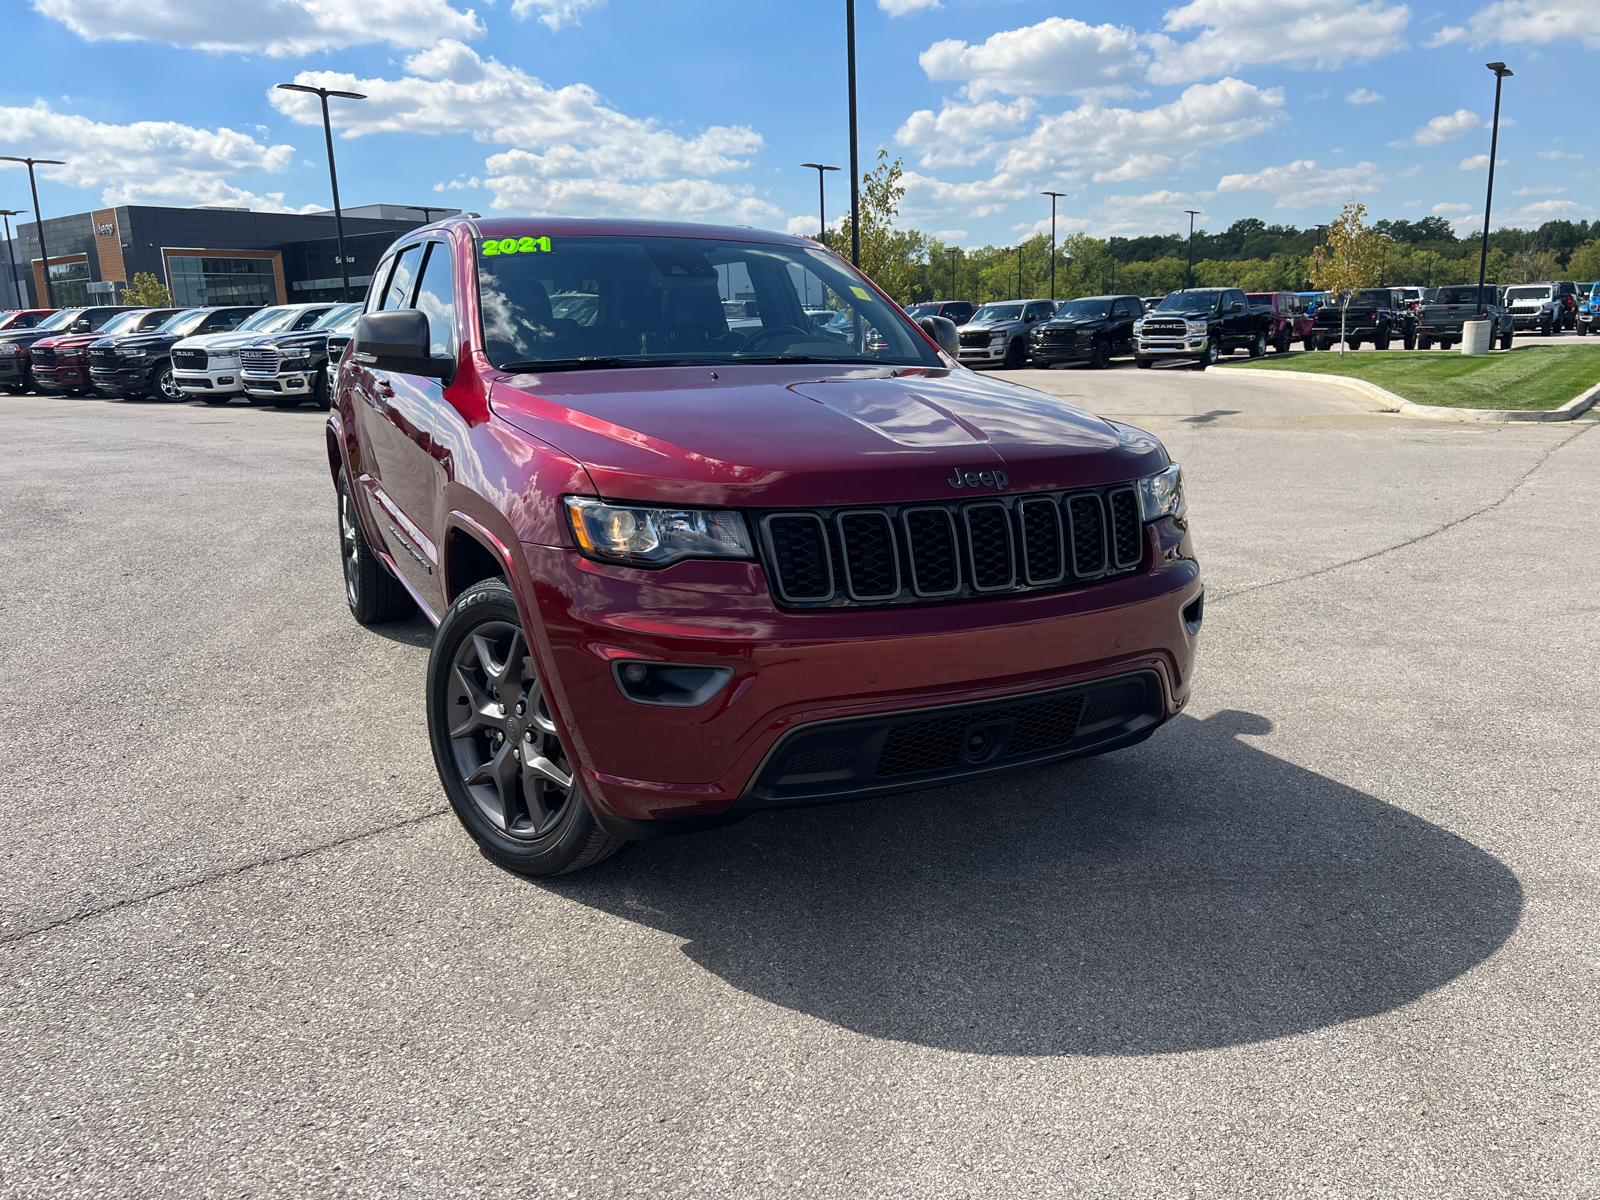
x=813 y=358
x=596 y=362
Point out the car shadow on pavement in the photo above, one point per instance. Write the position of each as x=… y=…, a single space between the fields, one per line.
x=1190 y=893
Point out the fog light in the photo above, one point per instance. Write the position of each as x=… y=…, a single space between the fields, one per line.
x=225 y=379
x=670 y=685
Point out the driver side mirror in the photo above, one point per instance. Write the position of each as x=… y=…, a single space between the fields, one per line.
x=943 y=331
x=82 y=326
x=1235 y=307
x=397 y=341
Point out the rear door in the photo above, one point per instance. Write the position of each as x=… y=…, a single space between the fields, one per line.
x=1123 y=313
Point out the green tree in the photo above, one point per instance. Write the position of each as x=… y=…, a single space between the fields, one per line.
x=1350 y=259
x=889 y=256
x=1585 y=262
x=147 y=292
x=1533 y=266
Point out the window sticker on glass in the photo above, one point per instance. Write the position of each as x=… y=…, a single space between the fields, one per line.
x=861 y=292
x=527 y=245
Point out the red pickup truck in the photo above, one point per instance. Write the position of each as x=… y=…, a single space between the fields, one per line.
x=1291 y=322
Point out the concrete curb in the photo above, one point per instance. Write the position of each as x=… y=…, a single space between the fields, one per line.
x=1376 y=399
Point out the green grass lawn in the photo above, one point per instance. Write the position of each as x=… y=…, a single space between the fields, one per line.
x=1528 y=377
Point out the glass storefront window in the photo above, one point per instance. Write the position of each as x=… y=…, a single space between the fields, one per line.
x=70 y=282
x=198 y=281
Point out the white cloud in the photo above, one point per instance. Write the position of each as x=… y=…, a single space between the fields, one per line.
x=276 y=28
x=1114 y=139
x=570 y=152
x=1301 y=184
x=147 y=162
x=1478 y=162
x=951 y=235
x=904 y=8
x=929 y=197
x=1539 y=191
x=1536 y=21
x=1441 y=209
x=961 y=134
x=1137 y=166
x=1444 y=129
x=1546 y=210
x=1410 y=172
x=1236 y=33
x=1058 y=56
x=554 y=13
x=1553 y=155
x=1362 y=96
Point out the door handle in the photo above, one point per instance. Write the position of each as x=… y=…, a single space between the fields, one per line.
x=384 y=389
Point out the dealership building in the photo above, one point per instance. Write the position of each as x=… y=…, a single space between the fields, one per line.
x=203 y=255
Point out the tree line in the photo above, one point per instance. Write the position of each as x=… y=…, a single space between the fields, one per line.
x=914 y=266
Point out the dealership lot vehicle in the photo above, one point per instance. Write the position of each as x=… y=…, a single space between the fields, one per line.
x=23 y=318
x=1201 y=325
x=140 y=364
x=1092 y=329
x=997 y=335
x=812 y=507
x=1589 y=311
x=959 y=311
x=16 y=368
x=61 y=363
x=1441 y=316
x=1538 y=307
x=207 y=366
x=1375 y=315
x=1290 y=321
x=294 y=365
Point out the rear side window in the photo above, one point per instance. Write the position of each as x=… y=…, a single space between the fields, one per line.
x=436 y=298
x=398 y=294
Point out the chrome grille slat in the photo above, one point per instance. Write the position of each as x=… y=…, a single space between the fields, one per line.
x=254 y=361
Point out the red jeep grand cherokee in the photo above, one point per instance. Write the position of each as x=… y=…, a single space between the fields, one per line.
x=682 y=573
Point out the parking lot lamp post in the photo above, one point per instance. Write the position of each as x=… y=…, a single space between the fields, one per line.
x=38 y=220
x=1501 y=72
x=1188 y=275
x=822 y=199
x=855 y=161
x=11 y=258
x=953 y=252
x=1054 y=196
x=1019 y=271
x=333 y=175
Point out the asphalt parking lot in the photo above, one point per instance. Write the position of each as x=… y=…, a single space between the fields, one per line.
x=1331 y=933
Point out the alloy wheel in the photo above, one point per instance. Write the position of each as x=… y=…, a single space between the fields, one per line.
x=502 y=738
x=167 y=385
x=349 y=547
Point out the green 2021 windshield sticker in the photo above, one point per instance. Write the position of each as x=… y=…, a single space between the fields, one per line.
x=527 y=245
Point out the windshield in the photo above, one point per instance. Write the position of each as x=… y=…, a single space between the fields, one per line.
x=1460 y=295
x=1084 y=309
x=991 y=313
x=123 y=322
x=268 y=320
x=339 y=317
x=61 y=319
x=1528 y=293
x=184 y=322
x=1189 y=301
x=568 y=302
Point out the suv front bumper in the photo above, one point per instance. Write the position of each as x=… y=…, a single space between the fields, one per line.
x=1184 y=347
x=819 y=681
x=980 y=355
x=1534 y=320
x=289 y=383
x=63 y=377
x=121 y=380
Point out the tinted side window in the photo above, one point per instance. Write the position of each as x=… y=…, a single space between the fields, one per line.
x=398 y=294
x=436 y=297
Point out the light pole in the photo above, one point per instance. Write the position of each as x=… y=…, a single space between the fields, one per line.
x=333 y=175
x=38 y=219
x=1019 y=270
x=1188 y=275
x=1501 y=71
x=953 y=252
x=822 y=198
x=1054 y=196
x=11 y=258
x=855 y=162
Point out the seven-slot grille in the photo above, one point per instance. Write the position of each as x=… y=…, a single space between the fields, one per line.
x=43 y=356
x=257 y=361
x=905 y=554
x=189 y=360
x=974 y=339
x=1164 y=327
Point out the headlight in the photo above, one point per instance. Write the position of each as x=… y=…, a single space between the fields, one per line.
x=1138 y=326
x=131 y=353
x=294 y=364
x=656 y=537
x=1195 y=326
x=996 y=336
x=1161 y=494
x=10 y=348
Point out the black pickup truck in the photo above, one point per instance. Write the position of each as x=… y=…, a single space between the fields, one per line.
x=1444 y=310
x=1375 y=315
x=1090 y=329
x=1201 y=325
x=291 y=368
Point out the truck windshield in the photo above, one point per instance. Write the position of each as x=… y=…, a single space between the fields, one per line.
x=991 y=313
x=184 y=323
x=1528 y=293
x=568 y=302
x=1191 y=301
x=60 y=320
x=339 y=318
x=124 y=322
x=268 y=320
x=1084 y=310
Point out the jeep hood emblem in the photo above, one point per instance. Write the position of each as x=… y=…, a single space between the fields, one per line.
x=972 y=479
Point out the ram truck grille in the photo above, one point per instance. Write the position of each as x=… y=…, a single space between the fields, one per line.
x=957 y=550
x=1164 y=328
x=259 y=362
x=106 y=359
x=43 y=358
x=975 y=339
x=189 y=360
x=1059 y=337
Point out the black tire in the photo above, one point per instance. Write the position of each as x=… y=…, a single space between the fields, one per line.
x=1100 y=356
x=1213 y=352
x=1310 y=344
x=1016 y=355
x=162 y=385
x=1446 y=344
x=1544 y=329
x=499 y=755
x=1144 y=364
x=1258 y=348
x=373 y=594
x=1352 y=343
x=1505 y=340
x=1425 y=343
x=1381 y=343
x=319 y=390
x=1409 y=342
x=1282 y=344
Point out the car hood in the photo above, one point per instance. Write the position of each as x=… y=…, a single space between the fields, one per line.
x=63 y=341
x=1186 y=314
x=140 y=341
x=27 y=337
x=304 y=339
x=776 y=436
x=990 y=324
x=1075 y=323
x=230 y=340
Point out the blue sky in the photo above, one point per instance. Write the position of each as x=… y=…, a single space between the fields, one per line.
x=1280 y=109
